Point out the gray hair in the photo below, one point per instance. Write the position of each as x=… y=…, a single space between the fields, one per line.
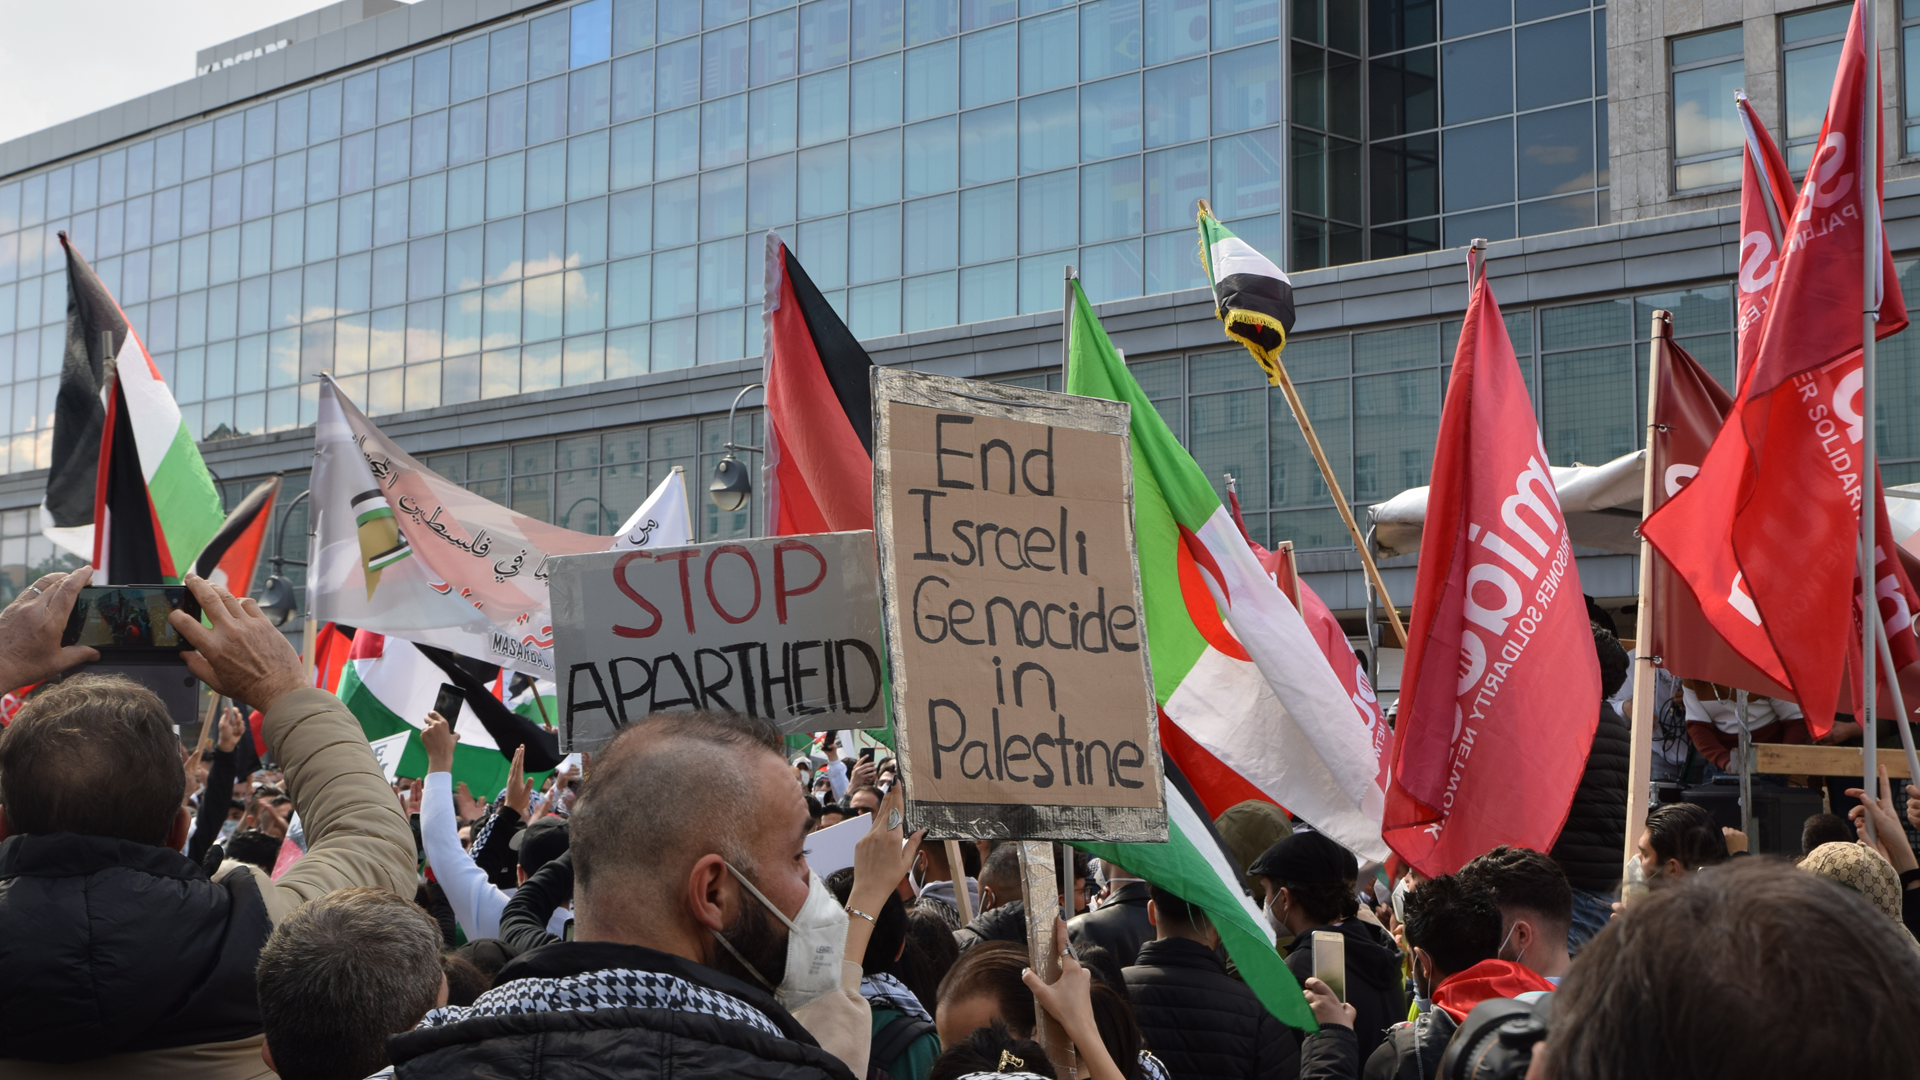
x=339 y=975
x=664 y=786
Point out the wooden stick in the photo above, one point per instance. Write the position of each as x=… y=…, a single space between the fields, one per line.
x=1645 y=674
x=1037 y=884
x=1339 y=498
x=957 y=870
x=206 y=725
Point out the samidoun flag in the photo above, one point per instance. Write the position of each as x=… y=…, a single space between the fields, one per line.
x=819 y=460
x=155 y=506
x=1501 y=689
x=401 y=551
x=390 y=686
x=1252 y=296
x=662 y=520
x=1225 y=644
x=1766 y=203
x=232 y=556
x=1195 y=866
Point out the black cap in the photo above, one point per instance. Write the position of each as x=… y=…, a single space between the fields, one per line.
x=540 y=843
x=1306 y=858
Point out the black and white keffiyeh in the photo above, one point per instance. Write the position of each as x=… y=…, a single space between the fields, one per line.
x=1152 y=1067
x=612 y=988
x=886 y=992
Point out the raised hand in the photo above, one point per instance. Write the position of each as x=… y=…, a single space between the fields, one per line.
x=518 y=795
x=30 y=630
x=241 y=654
x=438 y=739
x=232 y=729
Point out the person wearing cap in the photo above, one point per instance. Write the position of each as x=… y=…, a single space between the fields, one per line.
x=1308 y=885
x=476 y=901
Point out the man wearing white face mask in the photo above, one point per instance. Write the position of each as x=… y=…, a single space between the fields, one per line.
x=703 y=944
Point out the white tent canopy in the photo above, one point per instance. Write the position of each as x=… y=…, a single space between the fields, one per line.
x=1601 y=504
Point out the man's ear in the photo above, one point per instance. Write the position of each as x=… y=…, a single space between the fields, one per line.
x=1153 y=914
x=1524 y=935
x=711 y=894
x=266 y=1054
x=986 y=899
x=182 y=827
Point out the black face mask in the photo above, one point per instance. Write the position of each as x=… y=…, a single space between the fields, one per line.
x=760 y=941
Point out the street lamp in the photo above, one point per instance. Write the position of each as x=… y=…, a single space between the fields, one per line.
x=732 y=482
x=277 y=600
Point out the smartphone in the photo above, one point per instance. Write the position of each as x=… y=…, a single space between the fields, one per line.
x=866 y=754
x=1330 y=961
x=129 y=618
x=449 y=702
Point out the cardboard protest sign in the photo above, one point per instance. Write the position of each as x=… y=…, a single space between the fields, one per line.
x=786 y=628
x=1011 y=594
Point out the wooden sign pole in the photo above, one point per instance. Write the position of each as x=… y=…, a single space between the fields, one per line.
x=1645 y=672
x=1043 y=912
x=957 y=870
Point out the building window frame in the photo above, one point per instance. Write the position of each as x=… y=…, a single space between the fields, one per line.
x=1798 y=148
x=1692 y=57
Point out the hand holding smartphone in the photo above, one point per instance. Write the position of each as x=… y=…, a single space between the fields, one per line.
x=1330 y=961
x=129 y=618
x=448 y=703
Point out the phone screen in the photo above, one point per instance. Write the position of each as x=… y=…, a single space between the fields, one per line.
x=1330 y=961
x=448 y=703
x=124 y=617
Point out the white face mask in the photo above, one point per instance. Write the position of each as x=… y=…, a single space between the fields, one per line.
x=816 y=943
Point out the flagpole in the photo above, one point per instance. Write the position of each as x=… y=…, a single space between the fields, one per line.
x=1869 y=311
x=1646 y=675
x=1066 y=322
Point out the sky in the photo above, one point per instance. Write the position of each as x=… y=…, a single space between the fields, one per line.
x=132 y=47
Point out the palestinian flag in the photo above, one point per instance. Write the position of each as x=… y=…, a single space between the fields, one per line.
x=391 y=684
x=1195 y=866
x=1244 y=689
x=233 y=555
x=1250 y=294
x=819 y=450
x=80 y=412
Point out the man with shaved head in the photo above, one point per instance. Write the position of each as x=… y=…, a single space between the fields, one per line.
x=690 y=868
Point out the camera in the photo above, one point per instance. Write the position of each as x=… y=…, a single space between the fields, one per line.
x=1496 y=1041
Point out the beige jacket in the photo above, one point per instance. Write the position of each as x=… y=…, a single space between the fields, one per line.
x=357 y=834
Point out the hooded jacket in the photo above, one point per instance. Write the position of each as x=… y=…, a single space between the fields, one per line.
x=1120 y=925
x=1005 y=922
x=1589 y=848
x=127 y=961
x=596 y=1009
x=1375 y=987
x=1412 y=1051
x=1203 y=1022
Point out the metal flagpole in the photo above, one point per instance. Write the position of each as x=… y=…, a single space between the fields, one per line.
x=1066 y=323
x=1646 y=672
x=1746 y=768
x=1869 y=312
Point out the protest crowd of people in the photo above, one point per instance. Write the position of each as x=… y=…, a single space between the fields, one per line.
x=658 y=916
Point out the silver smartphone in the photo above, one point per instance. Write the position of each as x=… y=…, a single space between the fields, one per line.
x=1330 y=961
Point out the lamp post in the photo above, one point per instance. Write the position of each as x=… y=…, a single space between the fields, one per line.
x=277 y=601
x=732 y=483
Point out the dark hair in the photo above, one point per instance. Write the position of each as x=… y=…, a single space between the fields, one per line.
x=889 y=923
x=1323 y=901
x=867 y=788
x=814 y=809
x=465 y=982
x=1835 y=979
x=1455 y=921
x=1525 y=879
x=255 y=848
x=1823 y=829
x=1175 y=913
x=1688 y=833
x=992 y=969
x=1118 y=1029
x=1002 y=873
x=339 y=975
x=1613 y=661
x=931 y=951
x=1104 y=967
x=94 y=755
x=981 y=1051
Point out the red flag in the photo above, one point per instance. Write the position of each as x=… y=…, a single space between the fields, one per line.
x=233 y=555
x=1766 y=201
x=331 y=647
x=1690 y=406
x=1500 y=694
x=1766 y=534
x=819 y=459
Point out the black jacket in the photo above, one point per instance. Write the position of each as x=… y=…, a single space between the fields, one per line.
x=113 y=947
x=1005 y=922
x=523 y=922
x=617 y=1041
x=1120 y=926
x=1203 y=1022
x=1413 y=1051
x=1375 y=987
x=1330 y=1054
x=1592 y=841
x=215 y=802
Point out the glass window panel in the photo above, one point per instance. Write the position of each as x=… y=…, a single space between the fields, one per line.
x=356 y=110
x=770 y=120
x=466 y=138
x=86 y=186
x=1809 y=74
x=932 y=79
x=632 y=87
x=724 y=61
x=874 y=169
x=632 y=25
x=1047 y=136
x=823 y=34
x=1557 y=215
x=930 y=301
x=1246 y=175
x=426 y=267
x=876 y=94
x=1109 y=38
x=1172 y=262
x=506 y=185
x=723 y=202
x=724 y=132
x=988 y=292
x=873 y=244
x=546 y=237
x=469 y=69
x=987 y=144
x=1040 y=277
x=429 y=142
x=676 y=283
x=589 y=99
x=932 y=156
x=1396 y=419
x=774 y=48
x=1479 y=77
x=930 y=19
x=985 y=75
x=823 y=107
x=429 y=82
x=465 y=250
x=256 y=194
x=466 y=191
x=770 y=192
x=250 y=367
x=676 y=212
x=723 y=273
x=1404 y=94
x=547 y=45
x=822 y=247
x=391 y=154
x=1460 y=17
x=1048 y=211
x=586 y=299
x=1112 y=271
x=629 y=288
x=543 y=308
x=1246 y=89
x=1176 y=103
x=1048 y=52
x=546 y=110
x=396 y=91
x=504 y=248
x=1553 y=61
x=197 y=155
x=259 y=148
x=1405 y=175
x=289 y=234
x=630 y=231
x=424 y=321
x=1588 y=405
x=1110 y=200
x=1174 y=180
x=1556 y=152
x=678 y=20
x=874 y=311
x=355 y=290
x=500 y=316
x=1237 y=22
x=977 y=13
x=390 y=214
x=1110 y=118
x=630 y=155
x=587 y=165
x=677 y=143
x=877 y=27
x=932 y=234
x=389 y=272
x=1479 y=165
x=823 y=180
x=546 y=175
x=507 y=62
x=220 y=369
x=507 y=120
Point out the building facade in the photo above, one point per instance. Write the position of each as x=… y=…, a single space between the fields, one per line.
x=527 y=237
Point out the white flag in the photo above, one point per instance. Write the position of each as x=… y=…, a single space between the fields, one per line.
x=663 y=520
